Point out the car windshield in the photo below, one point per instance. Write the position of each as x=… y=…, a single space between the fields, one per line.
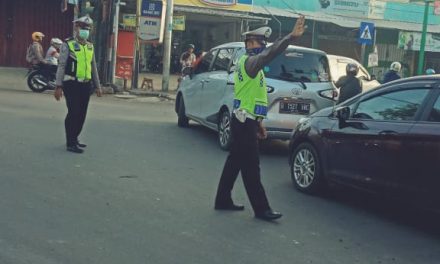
x=297 y=66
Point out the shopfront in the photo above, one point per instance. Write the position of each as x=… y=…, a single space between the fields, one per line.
x=203 y=23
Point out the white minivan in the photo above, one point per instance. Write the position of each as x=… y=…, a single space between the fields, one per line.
x=298 y=83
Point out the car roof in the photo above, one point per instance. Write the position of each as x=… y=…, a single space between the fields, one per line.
x=434 y=77
x=335 y=57
x=241 y=45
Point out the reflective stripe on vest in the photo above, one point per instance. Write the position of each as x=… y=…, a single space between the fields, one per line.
x=84 y=57
x=250 y=93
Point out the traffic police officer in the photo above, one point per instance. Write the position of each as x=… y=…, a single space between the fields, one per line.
x=76 y=70
x=250 y=107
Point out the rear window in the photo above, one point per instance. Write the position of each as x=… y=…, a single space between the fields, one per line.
x=297 y=66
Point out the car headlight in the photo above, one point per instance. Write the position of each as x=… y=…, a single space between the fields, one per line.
x=304 y=123
x=331 y=94
x=270 y=89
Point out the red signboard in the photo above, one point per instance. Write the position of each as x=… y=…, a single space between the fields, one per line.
x=125 y=54
x=124 y=67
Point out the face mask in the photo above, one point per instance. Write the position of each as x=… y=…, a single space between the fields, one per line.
x=256 y=51
x=84 y=34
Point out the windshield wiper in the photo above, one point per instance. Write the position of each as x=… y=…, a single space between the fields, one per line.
x=303 y=84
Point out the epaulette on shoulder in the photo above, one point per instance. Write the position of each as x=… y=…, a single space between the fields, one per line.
x=68 y=39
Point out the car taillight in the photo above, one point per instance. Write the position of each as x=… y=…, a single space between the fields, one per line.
x=331 y=94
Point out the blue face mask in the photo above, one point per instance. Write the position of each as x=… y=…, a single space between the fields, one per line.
x=84 y=33
x=256 y=51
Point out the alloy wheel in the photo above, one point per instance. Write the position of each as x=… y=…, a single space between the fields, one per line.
x=304 y=168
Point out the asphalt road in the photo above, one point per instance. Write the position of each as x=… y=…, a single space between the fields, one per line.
x=143 y=193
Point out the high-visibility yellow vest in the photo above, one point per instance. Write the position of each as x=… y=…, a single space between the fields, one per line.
x=250 y=94
x=80 y=60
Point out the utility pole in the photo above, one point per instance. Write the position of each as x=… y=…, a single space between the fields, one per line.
x=167 y=45
x=135 y=76
x=423 y=40
x=115 y=39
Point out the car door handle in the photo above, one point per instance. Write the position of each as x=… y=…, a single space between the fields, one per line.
x=388 y=133
x=230 y=83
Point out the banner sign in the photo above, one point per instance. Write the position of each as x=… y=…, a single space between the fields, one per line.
x=412 y=40
x=129 y=20
x=236 y=5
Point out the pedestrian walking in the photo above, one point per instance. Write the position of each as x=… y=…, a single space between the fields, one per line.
x=349 y=84
x=250 y=108
x=76 y=72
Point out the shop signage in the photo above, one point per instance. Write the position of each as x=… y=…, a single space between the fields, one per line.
x=152 y=21
x=412 y=40
x=179 y=23
x=129 y=20
x=236 y=5
x=351 y=8
x=219 y=2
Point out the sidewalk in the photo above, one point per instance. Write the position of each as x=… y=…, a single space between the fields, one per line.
x=157 y=86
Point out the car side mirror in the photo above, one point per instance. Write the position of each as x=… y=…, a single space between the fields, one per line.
x=343 y=114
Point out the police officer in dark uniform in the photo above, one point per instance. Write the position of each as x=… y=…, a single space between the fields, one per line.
x=75 y=73
x=250 y=107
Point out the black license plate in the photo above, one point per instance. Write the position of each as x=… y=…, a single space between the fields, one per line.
x=289 y=107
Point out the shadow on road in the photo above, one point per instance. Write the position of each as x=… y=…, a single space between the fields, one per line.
x=267 y=147
x=396 y=211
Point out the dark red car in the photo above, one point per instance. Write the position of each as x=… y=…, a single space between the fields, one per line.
x=386 y=140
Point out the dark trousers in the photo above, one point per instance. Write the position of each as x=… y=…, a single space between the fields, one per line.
x=243 y=157
x=77 y=100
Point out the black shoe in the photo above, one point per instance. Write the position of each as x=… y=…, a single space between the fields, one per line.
x=268 y=215
x=74 y=149
x=230 y=207
x=81 y=145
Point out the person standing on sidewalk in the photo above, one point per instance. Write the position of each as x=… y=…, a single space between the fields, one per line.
x=250 y=107
x=76 y=71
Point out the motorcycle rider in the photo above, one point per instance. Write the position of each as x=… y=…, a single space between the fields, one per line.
x=35 y=54
x=430 y=71
x=349 y=84
x=53 y=52
x=393 y=73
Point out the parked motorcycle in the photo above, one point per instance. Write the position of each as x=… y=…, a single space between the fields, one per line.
x=41 y=78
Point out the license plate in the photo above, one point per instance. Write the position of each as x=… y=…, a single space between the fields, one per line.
x=290 y=107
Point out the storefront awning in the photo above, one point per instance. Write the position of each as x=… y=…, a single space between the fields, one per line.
x=347 y=22
x=223 y=13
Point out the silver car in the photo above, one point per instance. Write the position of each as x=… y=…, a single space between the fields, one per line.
x=337 y=69
x=298 y=84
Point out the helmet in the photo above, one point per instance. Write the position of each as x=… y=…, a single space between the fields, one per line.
x=191 y=46
x=430 y=71
x=261 y=34
x=56 y=42
x=396 y=66
x=83 y=22
x=352 y=68
x=37 y=36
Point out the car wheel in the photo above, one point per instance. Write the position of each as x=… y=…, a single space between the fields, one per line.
x=182 y=119
x=306 y=170
x=224 y=130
